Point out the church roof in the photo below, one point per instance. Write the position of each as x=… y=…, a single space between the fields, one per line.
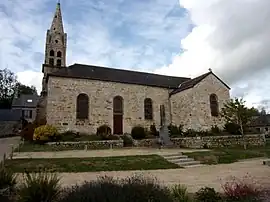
x=192 y=82
x=119 y=75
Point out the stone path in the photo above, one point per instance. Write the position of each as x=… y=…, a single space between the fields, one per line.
x=101 y=153
x=194 y=178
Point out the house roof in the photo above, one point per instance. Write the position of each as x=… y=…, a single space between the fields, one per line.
x=260 y=121
x=10 y=115
x=192 y=82
x=25 y=101
x=119 y=75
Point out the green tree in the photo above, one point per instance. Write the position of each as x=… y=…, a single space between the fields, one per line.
x=23 y=89
x=8 y=83
x=235 y=111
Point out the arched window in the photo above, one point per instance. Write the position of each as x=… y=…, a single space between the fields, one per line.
x=51 y=53
x=58 y=63
x=59 y=54
x=148 y=109
x=82 y=107
x=118 y=105
x=51 y=61
x=214 y=105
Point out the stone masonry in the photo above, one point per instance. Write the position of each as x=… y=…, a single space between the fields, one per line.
x=61 y=103
x=191 y=107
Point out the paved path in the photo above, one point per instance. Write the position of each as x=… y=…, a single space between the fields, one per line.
x=102 y=153
x=6 y=145
x=194 y=178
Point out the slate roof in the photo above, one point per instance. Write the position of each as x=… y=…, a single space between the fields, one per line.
x=119 y=75
x=192 y=82
x=10 y=115
x=262 y=120
x=22 y=101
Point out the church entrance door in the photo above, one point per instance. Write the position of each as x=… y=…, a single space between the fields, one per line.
x=117 y=124
x=118 y=115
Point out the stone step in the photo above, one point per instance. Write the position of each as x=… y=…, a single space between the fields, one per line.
x=181 y=160
x=169 y=155
x=188 y=163
x=176 y=157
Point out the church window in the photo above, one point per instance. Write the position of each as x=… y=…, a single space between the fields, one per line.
x=118 y=105
x=51 y=61
x=51 y=53
x=148 y=109
x=214 y=105
x=82 y=106
x=59 y=54
x=58 y=63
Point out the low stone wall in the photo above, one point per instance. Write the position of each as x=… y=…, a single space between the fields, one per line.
x=209 y=141
x=104 y=144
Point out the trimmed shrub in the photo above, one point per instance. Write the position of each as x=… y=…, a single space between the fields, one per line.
x=131 y=189
x=104 y=130
x=173 y=130
x=39 y=187
x=241 y=190
x=215 y=130
x=232 y=128
x=109 y=137
x=46 y=133
x=179 y=193
x=27 y=132
x=138 y=133
x=190 y=133
x=153 y=130
x=207 y=194
x=128 y=141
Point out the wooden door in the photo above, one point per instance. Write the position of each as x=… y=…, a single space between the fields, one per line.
x=117 y=124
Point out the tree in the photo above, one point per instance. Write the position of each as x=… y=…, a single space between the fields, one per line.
x=236 y=112
x=8 y=83
x=23 y=89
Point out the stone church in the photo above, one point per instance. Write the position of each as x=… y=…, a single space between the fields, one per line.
x=83 y=97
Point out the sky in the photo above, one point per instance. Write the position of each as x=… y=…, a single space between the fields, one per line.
x=172 y=37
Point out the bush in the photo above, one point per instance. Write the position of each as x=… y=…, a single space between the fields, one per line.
x=7 y=178
x=131 y=189
x=138 y=133
x=109 y=137
x=215 y=130
x=241 y=190
x=207 y=194
x=46 y=133
x=128 y=141
x=104 y=130
x=190 y=133
x=179 y=193
x=39 y=187
x=232 y=128
x=173 y=130
x=153 y=130
x=27 y=132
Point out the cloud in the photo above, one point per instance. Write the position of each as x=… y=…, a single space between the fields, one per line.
x=232 y=38
x=116 y=33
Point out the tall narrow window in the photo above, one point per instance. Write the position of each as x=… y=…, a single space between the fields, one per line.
x=82 y=107
x=148 y=109
x=59 y=54
x=58 y=63
x=51 y=61
x=118 y=105
x=214 y=105
x=51 y=53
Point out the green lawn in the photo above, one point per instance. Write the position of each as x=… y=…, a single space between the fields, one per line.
x=230 y=155
x=117 y=163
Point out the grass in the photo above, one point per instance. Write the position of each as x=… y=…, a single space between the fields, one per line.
x=93 y=164
x=230 y=155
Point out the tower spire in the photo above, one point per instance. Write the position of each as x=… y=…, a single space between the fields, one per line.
x=57 y=23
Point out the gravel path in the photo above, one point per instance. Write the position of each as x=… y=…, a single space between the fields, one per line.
x=194 y=178
x=101 y=153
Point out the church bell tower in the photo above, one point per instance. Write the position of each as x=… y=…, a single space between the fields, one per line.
x=56 y=42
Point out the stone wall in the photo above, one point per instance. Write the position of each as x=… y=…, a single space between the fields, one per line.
x=62 y=95
x=191 y=107
x=209 y=141
x=103 y=144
